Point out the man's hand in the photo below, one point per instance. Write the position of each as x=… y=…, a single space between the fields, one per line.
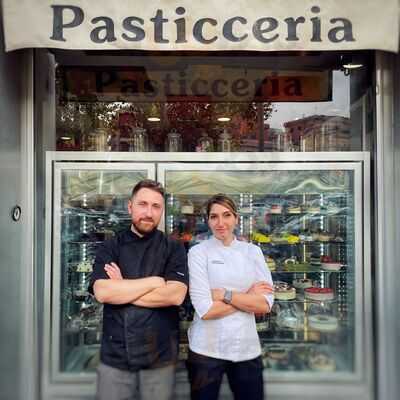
x=217 y=294
x=261 y=287
x=113 y=271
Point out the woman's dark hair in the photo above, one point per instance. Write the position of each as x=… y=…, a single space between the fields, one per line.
x=223 y=200
x=148 y=184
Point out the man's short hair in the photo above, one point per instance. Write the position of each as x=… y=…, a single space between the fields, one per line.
x=148 y=184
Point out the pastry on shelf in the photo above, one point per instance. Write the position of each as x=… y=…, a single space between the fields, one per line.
x=302 y=283
x=305 y=236
x=260 y=238
x=294 y=210
x=85 y=266
x=270 y=263
x=278 y=238
x=105 y=233
x=328 y=264
x=292 y=264
x=313 y=209
x=323 y=323
x=80 y=294
x=319 y=294
x=183 y=351
x=262 y=323
x=321 y=362
x=292 y=239
x=276 y=353
x=315 y=236
x=284 y=237
x=187 y=208
x=324 y=236
x=283 y=291
x=276 y=209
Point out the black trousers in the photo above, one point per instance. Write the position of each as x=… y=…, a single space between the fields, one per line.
x=205 y=376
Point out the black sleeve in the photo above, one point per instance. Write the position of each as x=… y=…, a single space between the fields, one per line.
x=105 y=254
x=176 y=268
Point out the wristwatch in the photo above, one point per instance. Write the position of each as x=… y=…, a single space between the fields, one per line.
x=227 y=297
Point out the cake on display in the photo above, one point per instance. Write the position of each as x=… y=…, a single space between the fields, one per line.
x=85 y=266
x=319 y=294
x=270 y=263
x=329 y=265
x=276 y=209
x=305 y=237
x=187 y=208
x=275 y=354
x=283 y=291
x=260 y=237
x=324 y=236
x=323 y=323
x=301 y=284
x=294 y=210
x=322 y=362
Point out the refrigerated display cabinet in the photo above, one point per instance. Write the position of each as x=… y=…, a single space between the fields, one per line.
x=310 y=219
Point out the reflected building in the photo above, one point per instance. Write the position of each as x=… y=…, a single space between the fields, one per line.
x=317 y=133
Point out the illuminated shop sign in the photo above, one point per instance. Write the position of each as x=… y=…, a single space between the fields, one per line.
x=196 y=83
x=261 y=25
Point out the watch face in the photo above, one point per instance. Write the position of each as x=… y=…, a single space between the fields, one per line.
x=228 y=297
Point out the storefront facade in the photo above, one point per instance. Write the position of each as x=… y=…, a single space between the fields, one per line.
x=303 y=137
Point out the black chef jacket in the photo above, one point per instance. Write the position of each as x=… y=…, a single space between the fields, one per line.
x=138 y=337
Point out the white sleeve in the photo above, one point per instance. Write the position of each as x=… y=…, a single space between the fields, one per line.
x=199 y=286
x=263 y=273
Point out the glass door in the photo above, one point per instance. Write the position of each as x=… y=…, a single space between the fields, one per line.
x=307 y=220
x=89 y=206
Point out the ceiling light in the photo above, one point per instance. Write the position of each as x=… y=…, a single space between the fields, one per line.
x=153 y=119
x=223 y=119
x=352 y=65
x=65 y=138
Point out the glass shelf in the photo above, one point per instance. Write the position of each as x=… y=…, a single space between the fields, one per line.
x=307 y=269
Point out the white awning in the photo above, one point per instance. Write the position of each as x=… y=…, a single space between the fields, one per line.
x=207 y=25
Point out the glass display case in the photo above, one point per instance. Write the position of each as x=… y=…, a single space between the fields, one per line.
x=90 y=206
x=304 y=219
x=310 y=219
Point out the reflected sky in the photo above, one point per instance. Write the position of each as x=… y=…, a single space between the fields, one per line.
x=339 y=106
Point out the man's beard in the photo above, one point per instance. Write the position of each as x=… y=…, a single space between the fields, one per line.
x=144 y=231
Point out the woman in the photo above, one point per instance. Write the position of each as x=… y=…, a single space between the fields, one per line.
x=229 y=284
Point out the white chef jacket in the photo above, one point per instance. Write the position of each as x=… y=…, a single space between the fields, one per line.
x=235 y=267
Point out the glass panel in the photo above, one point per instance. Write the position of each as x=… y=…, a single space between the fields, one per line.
x=93 y=207
x=256 y=102
x=303 y=221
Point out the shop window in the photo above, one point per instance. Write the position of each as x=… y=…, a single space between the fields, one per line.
x=254 y=102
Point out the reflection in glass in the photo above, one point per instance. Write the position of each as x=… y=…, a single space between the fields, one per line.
x=274 y=102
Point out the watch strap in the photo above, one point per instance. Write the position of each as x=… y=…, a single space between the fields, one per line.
x=227 y=297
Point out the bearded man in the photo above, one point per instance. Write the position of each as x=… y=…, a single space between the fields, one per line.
x=141 y=278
